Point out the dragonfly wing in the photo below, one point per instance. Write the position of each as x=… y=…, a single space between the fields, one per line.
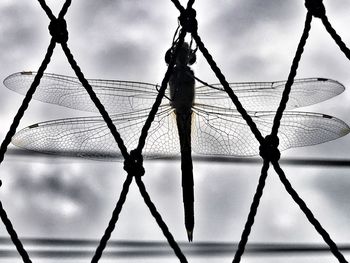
x=218 y=131
x=90 y=137
x=266 y=96
x=116 y=96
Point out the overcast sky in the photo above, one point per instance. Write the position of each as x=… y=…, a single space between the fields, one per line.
x=251 y=41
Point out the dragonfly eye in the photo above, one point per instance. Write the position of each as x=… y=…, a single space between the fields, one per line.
x=192 y=58
x=168 y=55
x=186 y=55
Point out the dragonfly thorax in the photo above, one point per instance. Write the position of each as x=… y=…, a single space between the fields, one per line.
x=182 y=81
x=181 y=85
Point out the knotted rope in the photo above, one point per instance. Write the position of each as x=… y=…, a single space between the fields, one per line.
x=58 y=30
x=134 y=164
x=269 y=149
x=315 y=7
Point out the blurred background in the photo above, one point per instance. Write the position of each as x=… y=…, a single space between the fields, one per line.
x=252 y=40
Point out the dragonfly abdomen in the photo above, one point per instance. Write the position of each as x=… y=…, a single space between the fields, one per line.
x=183 y=121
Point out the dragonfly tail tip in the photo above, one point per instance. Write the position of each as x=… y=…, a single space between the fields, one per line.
x=190 y=236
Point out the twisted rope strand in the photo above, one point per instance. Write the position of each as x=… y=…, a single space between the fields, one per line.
x=142 y=141
x=112 y=223
x=5 y=143
x=308 y=213
x=161 y=92
x=13 y=128
x=253 y=210
x=14 y=237
x=190 y=3
x=96 y=101
x=291 y=76
x=47 y=9
x=122 y=147
x=64 y=9
x=26 y=100
x=178 y=5
x=227 y=88
x=49 y=13
x=335 y=36
x=160 y=221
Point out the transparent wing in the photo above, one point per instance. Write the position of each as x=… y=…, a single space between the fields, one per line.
x=117 y=96
x=266 y=96
x=127 y=96
x=218 y=131
x=90 y=137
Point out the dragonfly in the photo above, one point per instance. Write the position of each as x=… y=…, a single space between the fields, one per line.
x=190 y=120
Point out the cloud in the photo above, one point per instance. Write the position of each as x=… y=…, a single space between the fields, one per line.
x=243 y=17
x=120 y=39
x=123 y=59
x=18 y=35
x=335 y=187
x=65 y=198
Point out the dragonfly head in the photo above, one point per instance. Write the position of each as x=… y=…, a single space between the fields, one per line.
x=185 y=56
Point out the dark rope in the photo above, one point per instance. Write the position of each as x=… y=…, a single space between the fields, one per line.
x=315 y=7
x=178 y=5
x=190 y=4
x=134 y=165
x=161 y=92
x=26 y=100
x=7 y=141
x=12 y=131
x=64 y=9
x=188 y=20
x=112 y=223
x=291 y=76
x=184 y=12
x=302 y=205
x=16 y=121
x=335 y=36
x=269 y=149
x=47 y=9
x=58 y=30
x=227 y=88
x=96 y=101
x=49 y=13
x=253 y=210
x=142 y=141
x=160 y=221
x=13 y=235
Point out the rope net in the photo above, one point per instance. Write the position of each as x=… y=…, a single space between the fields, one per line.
x=133 y=160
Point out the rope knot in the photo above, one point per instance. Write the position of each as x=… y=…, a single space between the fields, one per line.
x=268 y=149
x=188 y=20
x=316 y=8
x=58 y=30
x=134 y=164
